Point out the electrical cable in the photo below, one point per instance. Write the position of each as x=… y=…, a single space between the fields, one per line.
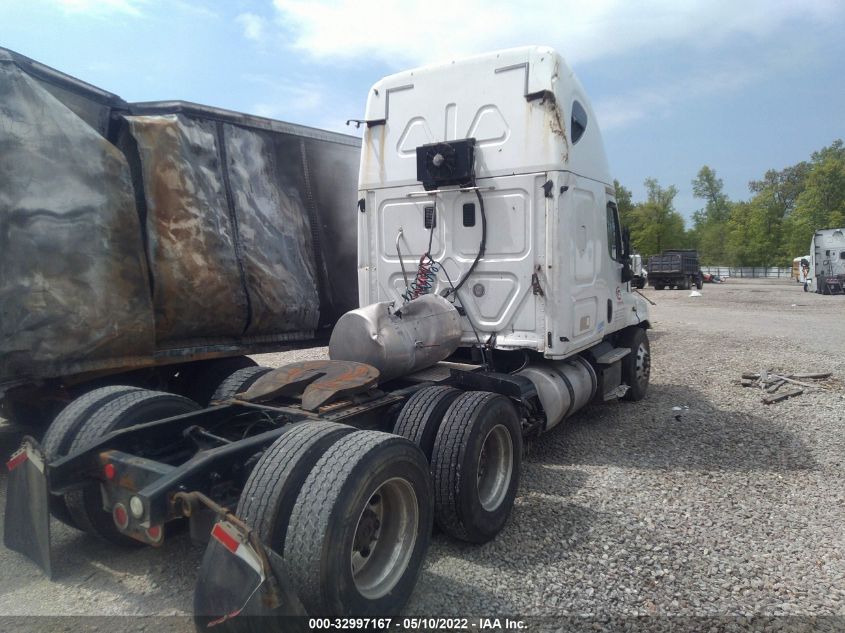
x=426 y=276
x=399 y=254
x=481 y=247
x=484 y=362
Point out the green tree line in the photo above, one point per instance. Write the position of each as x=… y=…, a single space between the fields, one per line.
x=769 y=229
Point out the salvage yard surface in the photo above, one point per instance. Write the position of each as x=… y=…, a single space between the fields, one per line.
x=698 y=501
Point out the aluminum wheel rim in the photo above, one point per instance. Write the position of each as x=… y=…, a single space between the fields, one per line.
x=384 y=539
x=495 y=467
x=643 y=364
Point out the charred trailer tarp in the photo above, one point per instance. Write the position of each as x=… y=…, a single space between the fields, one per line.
x=141 y=237
x=261 y=203
x=74 y=289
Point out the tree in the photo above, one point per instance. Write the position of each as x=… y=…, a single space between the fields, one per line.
x=819 y=203
x=710 y=225
x=623 y=203
x=655 y=225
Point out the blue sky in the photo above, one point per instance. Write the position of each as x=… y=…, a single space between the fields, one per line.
x=740 y=86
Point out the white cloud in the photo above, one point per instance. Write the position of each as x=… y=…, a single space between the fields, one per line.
x=254 y=26
x=406 y=32
x=101 y=7
x=288 y=100
x=706 y=80
x=622 y=110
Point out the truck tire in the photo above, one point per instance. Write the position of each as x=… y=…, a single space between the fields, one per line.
x=422 y=414
x=659 y=286
x=475 y=465
x=636 y=366
x=203 y=380
x=699 y=281
x=368 y=502
x=60 y=434
x=136 y=407
x=271 y=490
x=237 y=382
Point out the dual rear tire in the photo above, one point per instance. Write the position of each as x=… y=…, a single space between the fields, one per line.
x=351 y=511
x=473 y=441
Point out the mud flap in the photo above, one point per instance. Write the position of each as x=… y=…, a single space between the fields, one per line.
x=233 y=594
x=26 y=525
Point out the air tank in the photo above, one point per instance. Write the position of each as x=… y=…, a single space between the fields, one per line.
x=562 y=386
x=398 y=341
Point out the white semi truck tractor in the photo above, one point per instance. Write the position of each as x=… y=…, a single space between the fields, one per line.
x=494 y=279
x=826 y=274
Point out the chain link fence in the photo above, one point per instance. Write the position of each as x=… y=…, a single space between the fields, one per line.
x=771 y=272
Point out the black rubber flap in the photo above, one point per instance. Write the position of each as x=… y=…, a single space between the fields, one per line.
x=226 y=586
x=26 y=525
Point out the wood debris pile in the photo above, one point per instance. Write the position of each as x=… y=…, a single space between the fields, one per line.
x=771 y=383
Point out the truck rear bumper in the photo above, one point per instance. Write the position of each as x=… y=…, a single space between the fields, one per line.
x=239 y=575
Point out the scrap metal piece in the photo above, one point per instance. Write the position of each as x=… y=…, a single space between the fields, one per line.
x=319 y=382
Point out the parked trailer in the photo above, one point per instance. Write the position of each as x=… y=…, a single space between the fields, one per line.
x=827 y=262
x=675 y=269
x=494 y=276
x=154 y=244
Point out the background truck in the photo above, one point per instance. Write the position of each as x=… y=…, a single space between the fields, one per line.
x=493 y=279
x=675 y=269
x=800 y=268
x=639 y=271
x=827 y=262
x=154 y=244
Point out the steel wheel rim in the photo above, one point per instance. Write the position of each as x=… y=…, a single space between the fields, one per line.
x=384 y=538
x=495 y=467
x=643 y=364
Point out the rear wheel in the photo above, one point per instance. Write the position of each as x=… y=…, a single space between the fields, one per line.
x=361 y=526
x=699 y=282
x=61 y=433
x=475 y=464
x=659 y=286
x=636 y=366
x=238 y=382
x=421 y=416
x=204 y=379
x=86 y=505
x=271 y=490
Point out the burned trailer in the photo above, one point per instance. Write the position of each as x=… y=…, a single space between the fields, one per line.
x=155 y=244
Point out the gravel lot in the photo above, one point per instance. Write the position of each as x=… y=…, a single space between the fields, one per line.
x=722 y=508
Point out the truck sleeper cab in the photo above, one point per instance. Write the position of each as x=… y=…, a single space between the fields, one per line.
x=496 y=302
x=827 y=262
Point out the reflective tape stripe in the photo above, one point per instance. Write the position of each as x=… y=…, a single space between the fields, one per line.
x=222 y=535
x=17 y=459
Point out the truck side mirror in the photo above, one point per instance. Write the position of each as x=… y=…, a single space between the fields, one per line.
x=627 y=271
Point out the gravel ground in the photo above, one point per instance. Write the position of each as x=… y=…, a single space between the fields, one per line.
x=725 y=507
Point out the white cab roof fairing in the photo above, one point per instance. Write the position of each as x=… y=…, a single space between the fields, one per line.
x=488 y=97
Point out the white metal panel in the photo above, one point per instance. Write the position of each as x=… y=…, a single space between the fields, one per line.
x=482 y=97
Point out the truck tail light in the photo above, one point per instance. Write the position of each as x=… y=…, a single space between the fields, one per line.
x=120 y=516
x=155 y=534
